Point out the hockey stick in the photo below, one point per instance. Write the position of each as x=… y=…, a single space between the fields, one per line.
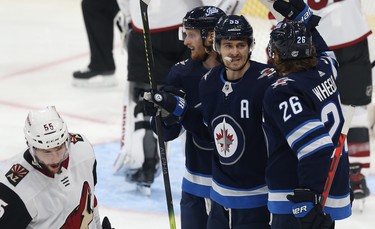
x=336 y=154
x=163 y=154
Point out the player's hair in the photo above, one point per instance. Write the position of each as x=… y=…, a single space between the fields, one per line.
x=295 y=65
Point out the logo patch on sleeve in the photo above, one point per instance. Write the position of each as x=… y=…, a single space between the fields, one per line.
x=74 y=138
x=16 y=174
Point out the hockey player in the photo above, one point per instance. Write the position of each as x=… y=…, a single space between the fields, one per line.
x=51 y=184
x=98 y=16
x=352 y=52
x=302 y=121
x=139 y=155
x=231 y=96
x=198 y=35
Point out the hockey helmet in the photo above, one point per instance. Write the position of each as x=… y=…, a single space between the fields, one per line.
x=203 y=18
x=292 y=40
x=45 y=129
x=233 y=27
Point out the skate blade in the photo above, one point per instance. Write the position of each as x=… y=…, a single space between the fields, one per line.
x=96 y=81
x=144 y=189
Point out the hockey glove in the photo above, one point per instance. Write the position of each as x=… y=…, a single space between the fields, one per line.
x=297 y=10
x=172 y=103
x=106 y=224
x=309 y=211
x=170 y=100
x=149 y=108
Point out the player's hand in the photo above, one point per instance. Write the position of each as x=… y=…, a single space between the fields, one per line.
x=149 y=108
x=308 y=210
x=106 y=224
x=297 y=10
x=169 y=99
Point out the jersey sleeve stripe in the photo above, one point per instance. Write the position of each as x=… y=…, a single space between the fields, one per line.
x=302 y=130
x=314 y=145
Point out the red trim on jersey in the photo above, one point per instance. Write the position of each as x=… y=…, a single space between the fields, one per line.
x=140 y=30
x=351 y=42
x=65 y=164
x=95 y=201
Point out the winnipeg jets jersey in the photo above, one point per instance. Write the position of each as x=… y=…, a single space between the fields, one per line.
x=232 y=112
x=302 y=123
x=198 y=152
x=32 y=199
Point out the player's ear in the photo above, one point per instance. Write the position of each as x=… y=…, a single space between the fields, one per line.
x=275 y=55
x=210 y=38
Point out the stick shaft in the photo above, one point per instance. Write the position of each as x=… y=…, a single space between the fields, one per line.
x=161 y=143
x=336 y=154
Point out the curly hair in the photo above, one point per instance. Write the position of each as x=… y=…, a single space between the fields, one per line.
x=297 y=65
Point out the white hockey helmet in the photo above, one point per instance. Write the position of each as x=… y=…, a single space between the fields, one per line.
x=45 y=129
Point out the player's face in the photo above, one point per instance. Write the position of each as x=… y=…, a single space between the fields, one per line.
x=51 y=159
x=237 y=51
x=193 y=41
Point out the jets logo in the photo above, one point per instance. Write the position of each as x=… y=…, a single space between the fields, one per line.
x=282 y=81
x=229 y=139
x=224 y=139
x=16 y=173
x=267 y=72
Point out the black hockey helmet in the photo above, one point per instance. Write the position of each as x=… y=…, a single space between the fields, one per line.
x=233 y=27
x=203 y=18
x=292 y=40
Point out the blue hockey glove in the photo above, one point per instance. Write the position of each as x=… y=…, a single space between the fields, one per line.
x=308 y=210
x=169 y=99
x=297 y=10
x=150 y=109
x=106 y=224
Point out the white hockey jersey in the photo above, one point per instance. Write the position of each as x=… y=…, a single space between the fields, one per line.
x=166 y=14
x=32 y=199
x=162 y=14
x=342 y=24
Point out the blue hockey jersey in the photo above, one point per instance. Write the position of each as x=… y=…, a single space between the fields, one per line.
x=198 y=152
x=302 y=123
x=232 y=112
